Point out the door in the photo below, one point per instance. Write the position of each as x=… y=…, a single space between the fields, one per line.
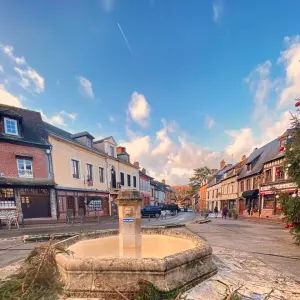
x=70 y=206
x=35 y=206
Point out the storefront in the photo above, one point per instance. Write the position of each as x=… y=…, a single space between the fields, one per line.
x=78 y=203
x=30 y=201
x=269 y=204
x=249 y=204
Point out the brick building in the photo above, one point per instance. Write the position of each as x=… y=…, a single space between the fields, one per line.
x=26 y=181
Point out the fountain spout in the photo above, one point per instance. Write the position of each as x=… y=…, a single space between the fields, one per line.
x=130 y=237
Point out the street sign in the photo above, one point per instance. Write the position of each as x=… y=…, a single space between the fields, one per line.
x=128 y=220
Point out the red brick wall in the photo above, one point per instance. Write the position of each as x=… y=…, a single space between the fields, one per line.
x=8 y=161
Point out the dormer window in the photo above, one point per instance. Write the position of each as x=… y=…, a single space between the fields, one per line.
x=89 y=143
x=112 y=151
x=11 y=126
x=249 y=168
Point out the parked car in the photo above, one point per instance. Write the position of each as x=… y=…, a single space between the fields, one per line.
x=173 y=208
x=150 y=210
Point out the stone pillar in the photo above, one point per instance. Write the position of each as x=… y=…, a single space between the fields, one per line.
x=53 y=203
x=130 y=237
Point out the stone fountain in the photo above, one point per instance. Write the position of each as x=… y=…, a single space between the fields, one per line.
x=110 y=260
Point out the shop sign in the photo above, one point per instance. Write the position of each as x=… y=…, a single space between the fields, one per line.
x=281 y=186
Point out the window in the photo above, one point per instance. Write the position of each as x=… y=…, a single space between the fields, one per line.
x=128 y=180
x=249 y=167
x=122 y=178
x=11 y=126
x=134 y=181
x=268 y=175
x=75 y=168
x=269 y=202
x=255 y=183
x=24 y=167
x=89 y=169
x=101 y=174
x=7 y=199
x=112 y=151
x=89 y=143
x=279 y=173
x=242 y=186
x=248 y=185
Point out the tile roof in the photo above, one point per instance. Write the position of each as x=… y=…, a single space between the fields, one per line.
x=40 y=182
x=216 y=178
x=259 y=157
x=32 y=129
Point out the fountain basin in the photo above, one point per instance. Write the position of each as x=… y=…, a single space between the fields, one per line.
x=97 y=266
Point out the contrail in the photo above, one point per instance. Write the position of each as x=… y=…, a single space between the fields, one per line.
x=125 y=39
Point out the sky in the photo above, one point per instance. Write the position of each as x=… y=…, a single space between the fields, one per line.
x=181 y=84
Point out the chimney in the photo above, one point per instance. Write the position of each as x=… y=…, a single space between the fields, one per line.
x=213 y=171
x=243 y=158
x=121 y=149
x=144 y=171
x=163 y=181
x=222 y=164
x=137 y=164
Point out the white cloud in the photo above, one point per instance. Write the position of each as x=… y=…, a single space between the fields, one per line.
x=171 y=159
x=139 y=109
x=9 y=99
x=107 y=5
x=217 y=10
x=85 y=87
x=290 y=58
x=58 y=119
x=209 y=122
x=1 y=69
x=99 y=125
x=31 y=80
x=9 y=51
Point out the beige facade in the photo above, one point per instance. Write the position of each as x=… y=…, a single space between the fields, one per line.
x=83 y=175
x=213 y=196
x=229 y=188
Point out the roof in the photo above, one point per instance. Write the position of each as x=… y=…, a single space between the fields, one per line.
x=143 y=174
x=219 y=175
x=51 y=129
x=32 y=127
x=105 y=139
x=261 y=156
x=26 y=182
x=80 y=134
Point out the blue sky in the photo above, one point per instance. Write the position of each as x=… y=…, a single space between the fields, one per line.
x=181 y=85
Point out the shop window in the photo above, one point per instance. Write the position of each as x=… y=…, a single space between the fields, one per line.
x=279 y=173
x=95 y=205
x=7 y=198
x=269 y=202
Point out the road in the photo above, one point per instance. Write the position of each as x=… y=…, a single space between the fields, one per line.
x=13 y=250
x=266 y=241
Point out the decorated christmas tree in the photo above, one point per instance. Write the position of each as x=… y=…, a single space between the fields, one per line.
x=290 y=204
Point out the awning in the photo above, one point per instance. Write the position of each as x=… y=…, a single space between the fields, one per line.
x=250 y=194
